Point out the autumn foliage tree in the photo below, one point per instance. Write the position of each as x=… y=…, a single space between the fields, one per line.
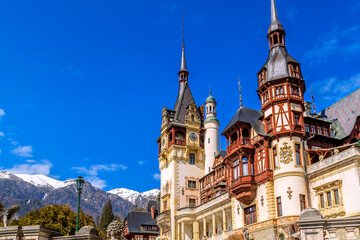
x=57 y=217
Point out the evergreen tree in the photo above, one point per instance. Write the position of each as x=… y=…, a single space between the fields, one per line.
x=107 y=216
x=58 y=217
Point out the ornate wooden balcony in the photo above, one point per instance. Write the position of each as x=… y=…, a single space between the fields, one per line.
x=177 y=142
x=244 y=189
x=264 y=176
x=240 y=142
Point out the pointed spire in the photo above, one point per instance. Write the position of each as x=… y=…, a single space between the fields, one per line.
x=275 y=23
x=240 y=97
x=209 y=89
x=183 y=61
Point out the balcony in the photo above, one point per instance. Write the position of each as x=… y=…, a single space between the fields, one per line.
x=178 y=142
x=264 y=176
x=244 y=189
x=240 y=142
x=164 y=220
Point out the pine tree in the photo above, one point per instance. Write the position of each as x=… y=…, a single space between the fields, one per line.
x=107 y=216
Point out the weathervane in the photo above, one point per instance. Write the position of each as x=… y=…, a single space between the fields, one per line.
x=313 y=99
x=240 y=98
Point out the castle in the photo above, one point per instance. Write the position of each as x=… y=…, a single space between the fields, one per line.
x=278 y=161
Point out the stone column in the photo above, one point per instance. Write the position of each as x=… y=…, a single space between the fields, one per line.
x=182 y=230
x=178 y=232
x=350 y=235
x=332 y=233
x=196 y=230
x=205 y=235
x=224 y=222
x=213 y=224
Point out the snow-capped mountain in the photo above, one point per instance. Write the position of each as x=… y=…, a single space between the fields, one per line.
x=36 y=191
x=134 y=196
x=40 y=180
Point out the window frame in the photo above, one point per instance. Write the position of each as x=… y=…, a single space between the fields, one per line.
x=302 y=199
x=190 y=204
x=279 y=207
x=191 y=184
x=250 y=216
x=192 y=158
x=275 y=157
x=298 y=154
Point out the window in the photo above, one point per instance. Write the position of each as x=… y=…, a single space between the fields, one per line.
x=236 y=168
x=319 y=130
x=297 y=153
x=165 y=205
x=275 y=157
x=252 y=169
x=307 y=128
x=328 y=196
x=208 y=140
x=296 y=118
x=191 y=184
x=322 y=201
x=250 y=215
x=302 y=202
x=279 y=207
x=167 y=163
x=326 y=132
x=269 y=123
x=244 y=165
x=191 y=158
x=295 y=90
x=279 y=90
x=313 y=129
x=337 y=198
x=192 y=202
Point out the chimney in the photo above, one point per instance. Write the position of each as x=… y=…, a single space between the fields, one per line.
x=153 y=212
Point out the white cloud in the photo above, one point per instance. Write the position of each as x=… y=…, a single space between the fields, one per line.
x=141 y=163
x=30 y=161
x=334 y=88
x=96 y=181
x=23 y=151
x=156 y=176
x=339 y=42
x=2 y=134
x=95 y=169
x=2 y=112
x=38 y=168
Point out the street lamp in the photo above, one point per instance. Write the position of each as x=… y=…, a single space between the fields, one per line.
x=79 y=187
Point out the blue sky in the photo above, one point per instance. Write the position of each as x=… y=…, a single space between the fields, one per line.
x=83 y=83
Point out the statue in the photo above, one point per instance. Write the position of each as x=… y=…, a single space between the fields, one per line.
x=246 y=233
x=7 y=214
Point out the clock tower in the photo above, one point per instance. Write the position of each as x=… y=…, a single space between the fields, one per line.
x=181 y=155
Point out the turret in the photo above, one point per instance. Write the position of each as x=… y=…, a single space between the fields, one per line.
x=211 y=140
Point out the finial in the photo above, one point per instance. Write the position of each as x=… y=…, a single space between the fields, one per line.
x=275 y=23
x=183 y=30
x=209 y=89
x=313 y=99
x=240 y=98
x=183 y=61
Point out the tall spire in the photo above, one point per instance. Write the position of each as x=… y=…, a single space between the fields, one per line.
x=275 y=23
x=183 y=61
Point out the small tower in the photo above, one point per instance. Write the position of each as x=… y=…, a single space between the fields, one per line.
x=211 y=140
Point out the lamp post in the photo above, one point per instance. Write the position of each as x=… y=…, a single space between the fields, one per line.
x=79 y=187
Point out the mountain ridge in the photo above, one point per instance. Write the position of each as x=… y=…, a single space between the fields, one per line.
x=36 y=191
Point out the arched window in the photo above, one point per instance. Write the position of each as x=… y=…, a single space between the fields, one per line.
x=210 y=109
x=281 y=237
x=244 y=165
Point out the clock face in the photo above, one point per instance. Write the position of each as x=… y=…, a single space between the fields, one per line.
x=193 y=136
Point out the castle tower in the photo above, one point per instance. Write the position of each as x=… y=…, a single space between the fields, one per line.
x=211 y=139
x=281 y=88
x=181 y=156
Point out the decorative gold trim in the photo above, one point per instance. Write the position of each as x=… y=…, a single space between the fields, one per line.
x=286 y=153
x=288 y=174
x=270 y=198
